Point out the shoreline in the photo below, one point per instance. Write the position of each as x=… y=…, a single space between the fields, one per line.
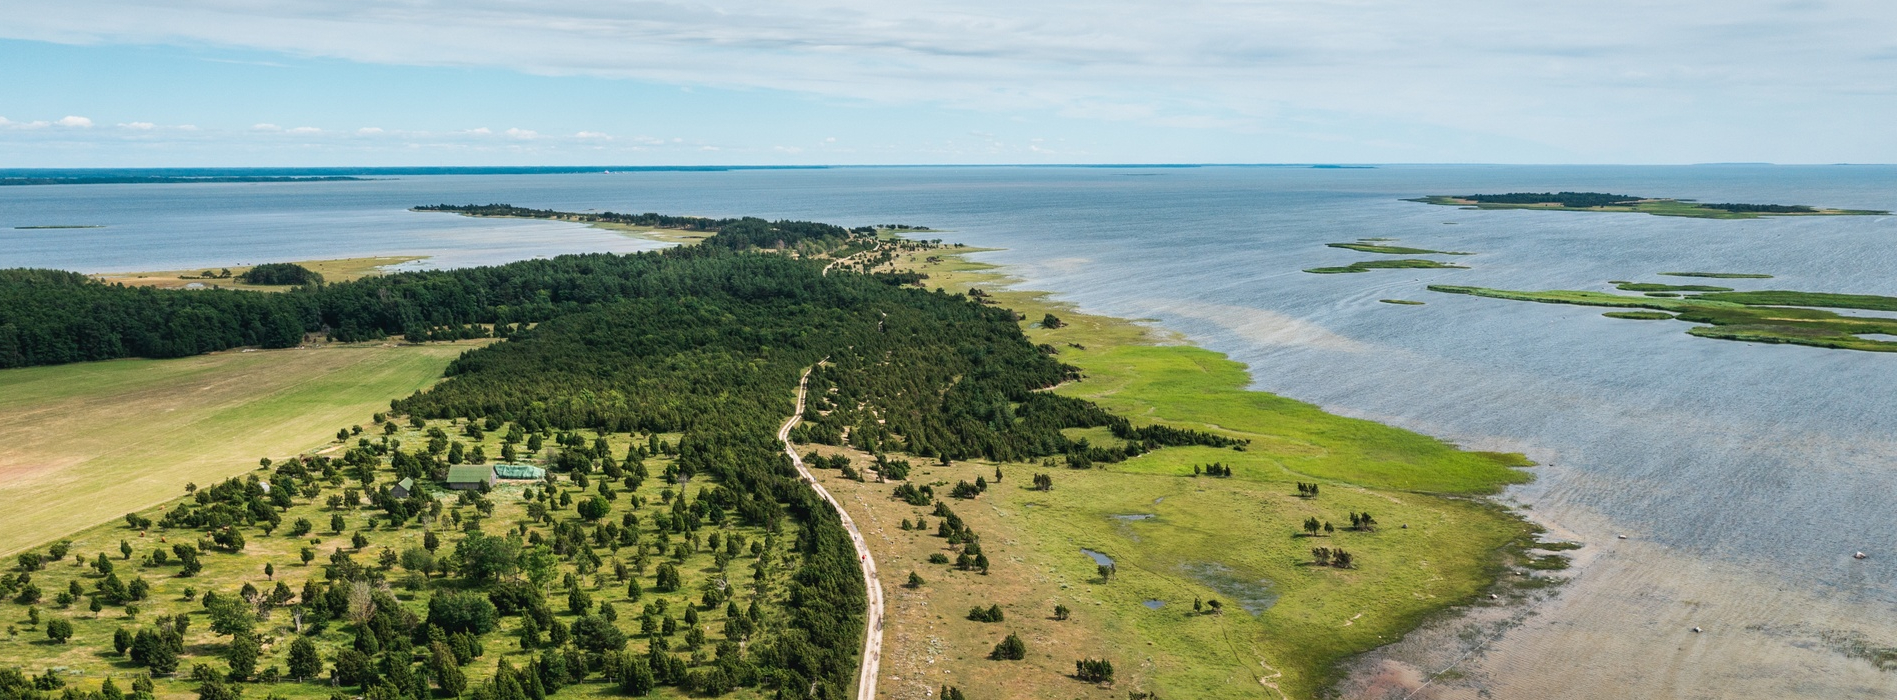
x=1505 y=583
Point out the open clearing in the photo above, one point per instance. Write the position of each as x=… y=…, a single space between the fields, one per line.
x=86 y=443
x=340 y=270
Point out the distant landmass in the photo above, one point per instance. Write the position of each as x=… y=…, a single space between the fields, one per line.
x=1658 y=206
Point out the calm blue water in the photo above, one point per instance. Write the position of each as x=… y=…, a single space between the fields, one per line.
x=1777 y=458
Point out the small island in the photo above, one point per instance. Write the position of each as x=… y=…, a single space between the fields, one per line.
x=1390 y=249
x=1657 y=206
x=1370 y=265
x=1774 y=316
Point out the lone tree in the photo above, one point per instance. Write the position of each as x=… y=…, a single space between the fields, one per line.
x=1044 y=483
x=1062 y=612
x=1010 y=649
x=1107 y=572
x=915 y=581
x=59 y=630
x=304 y=661
x=1050 y=321
x=1095 y=670
x=1311 y=526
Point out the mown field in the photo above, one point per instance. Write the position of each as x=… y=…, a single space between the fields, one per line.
x=1177 y=538
x=86 y=443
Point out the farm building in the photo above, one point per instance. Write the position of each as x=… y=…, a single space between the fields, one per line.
x=519 y=471
x=403 y=488
x=466 y=477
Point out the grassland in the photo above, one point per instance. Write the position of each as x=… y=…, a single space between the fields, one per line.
x=1640 y=315
x=339 y=270
x=1370 y=265
x=1653 y=287
x=1654 y=207
x=1208 y=538
x=85 y=443
x=1743 y=316
x=88 y=657
x=1390 y=249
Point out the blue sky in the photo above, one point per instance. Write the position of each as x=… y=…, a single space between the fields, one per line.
x=556 y=82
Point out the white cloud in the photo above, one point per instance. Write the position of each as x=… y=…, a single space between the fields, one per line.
x=1624 y=74
x=74 y=122
x=523 y=134
x=478 y=130
x=266 y=127
x=138 y=126
x=187 y=127
x=593 y=135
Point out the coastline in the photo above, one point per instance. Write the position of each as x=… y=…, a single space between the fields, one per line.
x=1122 y=362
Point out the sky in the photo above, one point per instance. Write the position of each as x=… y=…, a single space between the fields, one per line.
x=148 y=83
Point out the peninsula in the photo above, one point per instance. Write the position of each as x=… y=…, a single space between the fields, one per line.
x=1109 y=504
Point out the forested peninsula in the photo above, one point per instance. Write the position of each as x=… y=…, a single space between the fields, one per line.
x=1658 y=206
x=649 y=535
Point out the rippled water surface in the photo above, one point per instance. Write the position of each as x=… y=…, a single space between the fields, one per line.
x=1746 y=475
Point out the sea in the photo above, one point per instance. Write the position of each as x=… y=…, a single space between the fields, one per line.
x=1720 y=489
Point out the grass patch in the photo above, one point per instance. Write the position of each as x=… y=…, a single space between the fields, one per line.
x=1370 y=265
x=1720 y=275
x=339 y=270
x=1640 y=315
x=1732 y=320
x=1818 y=299
x=89 y=442
x=1403 y=302
x=1391 y=249
x=1653 y=287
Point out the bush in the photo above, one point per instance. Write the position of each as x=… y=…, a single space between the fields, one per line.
x=1010 y=649
x=280 y=273
x=462 y=612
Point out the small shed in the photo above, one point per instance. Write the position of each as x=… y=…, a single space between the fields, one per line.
x=519 y=471
x=469 y=477
x=403 y=488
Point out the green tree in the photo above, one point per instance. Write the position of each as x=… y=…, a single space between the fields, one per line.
x=241 y=655
x=485 y=558
x=304 y=662
x=462 y=612
x=59 y=630
x=1010 y=649
x=442 y=666
x=592 y=508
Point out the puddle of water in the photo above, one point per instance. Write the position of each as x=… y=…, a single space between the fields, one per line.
x=1253 y=595
x=1100 y=558
x=1153 y=604
x=1134 y=516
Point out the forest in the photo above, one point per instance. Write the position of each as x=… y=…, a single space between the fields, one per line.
x=52 y=317
x=1568 y=199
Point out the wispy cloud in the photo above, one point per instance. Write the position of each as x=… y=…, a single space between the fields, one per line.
x=1670 y=73
x=74 y=122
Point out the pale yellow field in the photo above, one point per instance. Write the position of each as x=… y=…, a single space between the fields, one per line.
x=85 y=443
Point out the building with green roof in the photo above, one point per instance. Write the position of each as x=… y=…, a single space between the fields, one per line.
x=467 y=477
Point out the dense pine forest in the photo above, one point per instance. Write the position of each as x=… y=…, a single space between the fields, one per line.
x=706 y=342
